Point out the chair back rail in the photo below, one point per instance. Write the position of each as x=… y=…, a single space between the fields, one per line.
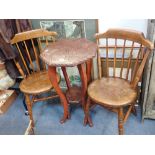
x=122 y=53
x=29 y=45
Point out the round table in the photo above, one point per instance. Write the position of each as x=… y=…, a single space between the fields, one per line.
x=69 y=53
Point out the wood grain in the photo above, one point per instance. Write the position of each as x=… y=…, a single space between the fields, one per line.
x=69 y=52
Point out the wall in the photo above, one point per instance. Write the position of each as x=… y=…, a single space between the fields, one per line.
x=137 y=24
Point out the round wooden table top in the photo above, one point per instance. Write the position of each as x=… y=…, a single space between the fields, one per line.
x=69 y=52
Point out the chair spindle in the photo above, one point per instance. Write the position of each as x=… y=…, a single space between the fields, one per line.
x=40 y=48
x=99 y=61
x=114 y=67
x=29 y=57
x=129 y=61
x=23 y=60
x=122 y=62
x=35 y=53
x=107 y=60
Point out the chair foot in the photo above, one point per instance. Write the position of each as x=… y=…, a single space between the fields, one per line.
x=30 y=129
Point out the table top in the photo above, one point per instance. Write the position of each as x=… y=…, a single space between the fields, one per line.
x=69 y=52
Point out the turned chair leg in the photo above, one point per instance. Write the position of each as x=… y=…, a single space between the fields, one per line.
x=134 y=111
x=29 y=106
x=87 y=118
x=120 y=121
x=25 y=106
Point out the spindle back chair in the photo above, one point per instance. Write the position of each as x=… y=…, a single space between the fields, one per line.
x=35 y=81
x=29 y=45
x=121 y=56
x=129 y=49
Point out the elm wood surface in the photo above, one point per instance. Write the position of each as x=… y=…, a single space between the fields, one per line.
x=70 y=53
x=109 y=91
x=37 y=83
x=115 y=90
x=32 y=69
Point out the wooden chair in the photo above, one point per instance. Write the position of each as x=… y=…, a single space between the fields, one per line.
x=122 y=54
x=35 y=81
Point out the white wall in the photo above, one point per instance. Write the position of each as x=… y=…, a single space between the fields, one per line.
x=136 y=24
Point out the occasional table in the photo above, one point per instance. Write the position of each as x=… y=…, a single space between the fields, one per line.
x=69 y=53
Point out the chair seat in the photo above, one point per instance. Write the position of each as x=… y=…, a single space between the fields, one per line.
x=112 y=92
x=37 y=83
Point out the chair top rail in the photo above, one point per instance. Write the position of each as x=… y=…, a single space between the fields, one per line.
x=126 y=34
x=37 y=33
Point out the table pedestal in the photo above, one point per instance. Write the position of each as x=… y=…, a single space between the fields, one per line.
x=74 y=94
x=77 y=94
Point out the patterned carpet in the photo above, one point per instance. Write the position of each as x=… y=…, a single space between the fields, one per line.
x=48 y=113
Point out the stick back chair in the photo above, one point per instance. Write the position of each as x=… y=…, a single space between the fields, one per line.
x=121 y=56
x=35 y=81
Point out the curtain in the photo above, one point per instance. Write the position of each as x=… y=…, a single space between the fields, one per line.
x=8 y=28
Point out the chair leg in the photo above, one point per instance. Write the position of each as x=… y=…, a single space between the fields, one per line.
x=26 y=110
x=134 y=111
x=87 y=118
x=29 y=106
x=127 y=114
x=120 y=121
x=30 y=129
x=131 y=109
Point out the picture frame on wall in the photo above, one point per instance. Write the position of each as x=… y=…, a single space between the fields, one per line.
x=70 y=29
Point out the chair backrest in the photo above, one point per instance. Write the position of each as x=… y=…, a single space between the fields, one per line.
x=30 y=44
x=122 y=53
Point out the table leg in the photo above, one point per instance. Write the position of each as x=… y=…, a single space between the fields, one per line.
x=88 y=70
x=53 y=78
x=87 y=119
x=68 y=85
x=84 y=84
x=66 y=77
